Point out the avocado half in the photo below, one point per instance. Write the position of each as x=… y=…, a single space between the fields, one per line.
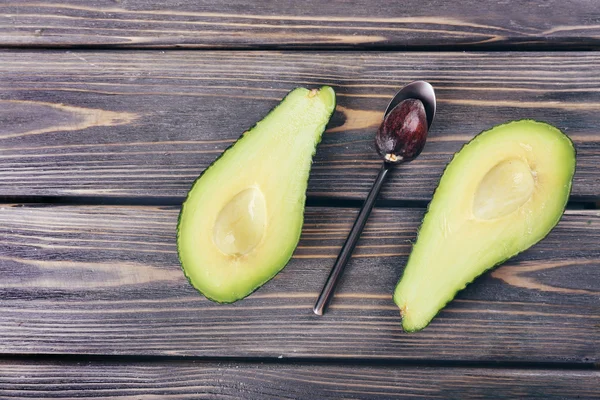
x=501 y=193
x=242 y=218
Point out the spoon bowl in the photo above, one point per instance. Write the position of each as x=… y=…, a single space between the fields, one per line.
x=419 y=90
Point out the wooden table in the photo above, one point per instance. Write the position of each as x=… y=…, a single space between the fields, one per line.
x=110 y=108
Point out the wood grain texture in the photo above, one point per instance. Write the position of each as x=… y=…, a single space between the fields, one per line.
x=284 y=24
x=187 y=380
x=147 y=123
x=106 y=280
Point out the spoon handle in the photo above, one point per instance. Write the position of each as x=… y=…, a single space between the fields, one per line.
x=348 y=247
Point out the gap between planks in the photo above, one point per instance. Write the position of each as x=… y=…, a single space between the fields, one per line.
x=574 y=203
x=346 y=361
x=564 y=46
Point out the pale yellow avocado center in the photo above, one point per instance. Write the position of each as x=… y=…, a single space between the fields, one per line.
x=240 y=225
x=505 y=188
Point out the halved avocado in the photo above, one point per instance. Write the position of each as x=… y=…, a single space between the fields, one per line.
x=501 y=193
x=242 y=218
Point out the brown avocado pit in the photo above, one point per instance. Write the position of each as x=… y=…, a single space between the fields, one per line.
x=402 y=135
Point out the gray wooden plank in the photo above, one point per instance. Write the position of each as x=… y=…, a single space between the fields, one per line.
x=188 y=380
x=432 y=24
x=106 y=280
x=145 y=124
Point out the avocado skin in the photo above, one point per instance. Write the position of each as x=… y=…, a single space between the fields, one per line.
x=559 y=216
x=240 y=138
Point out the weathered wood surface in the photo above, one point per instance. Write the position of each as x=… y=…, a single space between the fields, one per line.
x=106 y=280
x=138 y=126
x=188 y=380
x=147 y=123
x=311 y=24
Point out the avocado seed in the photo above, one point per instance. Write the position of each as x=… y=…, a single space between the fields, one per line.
x=403 y=132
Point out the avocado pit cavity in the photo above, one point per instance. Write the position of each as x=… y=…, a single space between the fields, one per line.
x=505 y=188
x=240 y=225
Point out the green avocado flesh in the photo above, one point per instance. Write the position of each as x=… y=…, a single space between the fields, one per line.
x=501 y=193
x=242 y=218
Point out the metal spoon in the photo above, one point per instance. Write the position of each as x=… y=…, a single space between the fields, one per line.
x=418 y=90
